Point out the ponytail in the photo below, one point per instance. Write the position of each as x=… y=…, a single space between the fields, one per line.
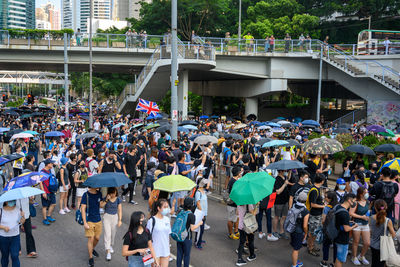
x=380 y=207
x=158 y=204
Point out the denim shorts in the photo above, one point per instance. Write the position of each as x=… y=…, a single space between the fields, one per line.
x=51 y=200
x=342 y=251
x=135 y=261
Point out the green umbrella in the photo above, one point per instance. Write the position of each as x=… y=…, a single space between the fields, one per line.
x=388 y=133
x=174 y=183
x=252 y=188
x=151 y=126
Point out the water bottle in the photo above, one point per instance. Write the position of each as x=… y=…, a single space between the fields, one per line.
x=368 y=213
x=330 y=170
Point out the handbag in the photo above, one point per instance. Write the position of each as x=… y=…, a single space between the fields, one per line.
x=78 y=213
x=388 y=250
x=250 y=224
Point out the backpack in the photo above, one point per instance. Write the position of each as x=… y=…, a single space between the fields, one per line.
x=153 y=197
x=87 y=163
x=329 y=227
x=152 y=226
x=78 y=213
x=250 y=224
x=291 y=219
x=341 y=198
x=388 y=193
x=178 y=230
x=297 y=193
x=53 y=184
x=308 y=202
x=193 y=192
x=32 y=145
x=227 y=159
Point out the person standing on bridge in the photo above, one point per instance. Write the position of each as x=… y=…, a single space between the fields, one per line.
x=249 y=41
x=287 y=42
x=386 y=43
x=129 y=38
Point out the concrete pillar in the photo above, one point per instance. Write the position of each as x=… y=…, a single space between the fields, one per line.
x=251 y=106
x=343 y=103
x=314 y=107
x=183 y=86
x=207 y=103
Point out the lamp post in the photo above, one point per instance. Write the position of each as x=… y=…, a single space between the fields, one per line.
x=240 y=21
x=174 y=70
x=90 y=68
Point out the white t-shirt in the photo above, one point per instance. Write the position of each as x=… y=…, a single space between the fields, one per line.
x=96 y=126
x=10 y=218
x=160 y=235
x=93 y=165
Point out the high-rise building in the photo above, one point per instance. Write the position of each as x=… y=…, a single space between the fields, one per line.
x=43 y=25
x=70 y=13
x=41 y=14
x=102 y=9
x=120 y=9
x=48 y=12
x=134 y=8
x=17 y=14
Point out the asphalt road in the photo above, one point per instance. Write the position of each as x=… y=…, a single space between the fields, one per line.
x=63 y=244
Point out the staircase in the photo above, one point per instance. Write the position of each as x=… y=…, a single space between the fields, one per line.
x=361 y=68
x=356 y=116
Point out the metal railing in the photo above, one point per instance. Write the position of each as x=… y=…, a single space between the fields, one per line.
x=185 y=51
x=352 y=117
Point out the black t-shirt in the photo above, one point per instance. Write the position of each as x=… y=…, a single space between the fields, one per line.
x=377 y=192
x=297 y=188
x=191 y=219
x=283 y=197
x=141 y=151
x=316 y=198
x=230 y=185
x=121 y=159
x=342 y=218
x=71 y=171
x=138 y=242
x=130 y=164
x=312 y=169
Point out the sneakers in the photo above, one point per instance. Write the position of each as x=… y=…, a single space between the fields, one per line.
x=206 y=227
x=198 y=247
x=173 y=216
x=62 y=212
x=234 y=237
x=325 y=264
x=237 y=234
x=91 y=262
x=272 y=238
x=284 y=235
x=67 y=210
x=134 y=193
x=355 y=261
x=363 y=260
x=101 y=211
x=50 y=219
x=46 y=222
x=261 y=235
x=299 y=263
x=111 y=250
x=275 y=234
x=108 y=257
x=252 y=258
x=133 y=202
x=313 y=253
x=95 y=254
x=241 y=262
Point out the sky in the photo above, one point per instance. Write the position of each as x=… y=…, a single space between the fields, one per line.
x=57 y=3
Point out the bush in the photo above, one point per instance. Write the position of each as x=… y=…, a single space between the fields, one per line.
x=38 y=34
x=15 y=103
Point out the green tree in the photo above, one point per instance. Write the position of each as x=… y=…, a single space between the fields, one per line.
x=274 y=9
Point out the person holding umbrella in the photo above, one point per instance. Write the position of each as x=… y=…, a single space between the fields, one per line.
x=48 y=198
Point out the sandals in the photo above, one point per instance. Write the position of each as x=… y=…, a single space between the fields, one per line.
x=32 y=255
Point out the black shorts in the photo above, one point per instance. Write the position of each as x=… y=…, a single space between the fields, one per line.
x=296 y=240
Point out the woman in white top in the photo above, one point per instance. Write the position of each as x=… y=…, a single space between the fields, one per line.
x=159 y=226
x=10 y=220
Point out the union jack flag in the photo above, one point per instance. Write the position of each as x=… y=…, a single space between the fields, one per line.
x=147 y=106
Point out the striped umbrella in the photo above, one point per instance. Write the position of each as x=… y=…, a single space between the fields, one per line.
x=393 y=164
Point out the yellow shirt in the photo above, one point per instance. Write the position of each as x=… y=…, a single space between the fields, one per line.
x=248 y=38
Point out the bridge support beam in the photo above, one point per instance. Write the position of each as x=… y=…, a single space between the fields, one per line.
x=207 y=103
x=314 y=107
x=251 y=106
x=183 y=87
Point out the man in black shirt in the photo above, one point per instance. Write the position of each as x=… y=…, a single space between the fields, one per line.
x=281 y=203
x=72 y=167
x=141 y=152
x=231 y=206
x=132 y=160
x=298 y=187
x=342 y=222
x=317 y=205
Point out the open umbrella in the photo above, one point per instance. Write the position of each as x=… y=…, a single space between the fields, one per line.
x=319 y=146
x=10 y=113
x=8 y=158
x=163 y=128
x=191 y=122
x=387 y=133
x=360 y=149
x=21 y=135
x=252 y=188
x=286 y=165
x=151 y=126
x=190 y=127
x=275 y=143
x=107 y=179
x=20 y=193
x=234 y=136
x=195 y=136
x=3 y=129
x=387 y=148
x=240 y=126
x=26 y=179
x=272 y=124
x=283 y=122
x=152 y=117
x=278 y=130
x=54 y=134
x=376 y=128
x=31 y=132
x=204 y=139
x=203 y=117
x=174 y=183
x=393 y=164
x=263 y=141
x=264 y=127
x=137 y=125
x=214 y=117
x=292 y=142
x=183 y=129
x=118 y=125
x=310 y=122
x=87 y=136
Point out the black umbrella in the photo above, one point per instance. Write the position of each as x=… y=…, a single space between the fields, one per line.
x=87 y=135
x=10 y=113
x=37 y=114
x=263 y=141
x=360 y=149
x=195 y=136
x=275 y=120
x=286 y=165
x=341 y=130
x=292 y=142
x=288 y=125
x=189 y=122
x=233 y=136
x=387 y=148
x=163 y=128
x=8 y=158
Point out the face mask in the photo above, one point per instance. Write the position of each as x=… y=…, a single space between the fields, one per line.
x=144 y=222
x=11 y=203
x=103 y=154
x=166 y=211
x=285 y=173
x=306 y=180
x=366 y=195
x=342 y=187
x=353 y=205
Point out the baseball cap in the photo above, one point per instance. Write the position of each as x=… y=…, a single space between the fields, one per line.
x=63 y=161
x=49 y=161
x=340 y=181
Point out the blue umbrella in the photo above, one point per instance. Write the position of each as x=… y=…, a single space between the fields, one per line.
x=311 y=122
x=20 y=193
x=286 y=165
x=8 y=158
x=254 y=123
x=107 y=179
x=281 y=118
x=190 y=127
x=53 y=134
x=183 y=129
x=275 y=143
x=31 y=132
x=272 y=124
x=118 y=125
x=26 y=179
x=204 y=117
x=195 y=136
x=2 y=129
x=214 y=117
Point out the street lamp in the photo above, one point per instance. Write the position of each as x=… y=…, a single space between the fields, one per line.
x=174 y=69
x=90 y=68
x=240 y=21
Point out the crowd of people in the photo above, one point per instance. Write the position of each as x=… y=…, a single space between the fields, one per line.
x=363 y=201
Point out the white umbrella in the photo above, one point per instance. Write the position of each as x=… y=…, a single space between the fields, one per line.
x=64 y=123
x=204 y=139
x=278 y=130
x=283 y=122
x=21 y=135
x=264 y=127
